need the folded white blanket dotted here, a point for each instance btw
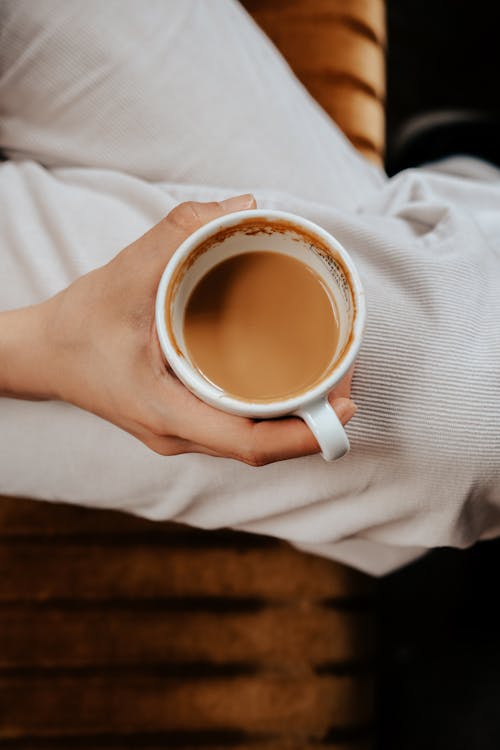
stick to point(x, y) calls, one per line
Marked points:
point(109, 118)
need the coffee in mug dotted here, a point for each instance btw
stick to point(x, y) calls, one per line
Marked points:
point(262, 326)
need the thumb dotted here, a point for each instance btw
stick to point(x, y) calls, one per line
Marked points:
point(185, 218)
point(236, 203)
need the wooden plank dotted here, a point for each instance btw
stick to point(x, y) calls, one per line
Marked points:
point(288, 637)
point(355, 111)
point(369, 15)
point(337, 50)
point(356, 57)
point(54, 704)
point(22, 518)
point(37, 571)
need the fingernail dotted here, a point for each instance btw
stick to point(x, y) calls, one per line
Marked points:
point(345, 409)
point(238, 202)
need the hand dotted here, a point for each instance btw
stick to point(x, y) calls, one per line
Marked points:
point(97, 349)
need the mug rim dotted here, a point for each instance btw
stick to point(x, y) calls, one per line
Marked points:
point(208, 392)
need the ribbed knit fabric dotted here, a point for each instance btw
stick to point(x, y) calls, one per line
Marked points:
point(108, 119)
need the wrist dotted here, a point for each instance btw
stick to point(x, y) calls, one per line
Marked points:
point(25, 354)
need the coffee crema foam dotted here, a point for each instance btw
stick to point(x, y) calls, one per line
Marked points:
point(262, 326)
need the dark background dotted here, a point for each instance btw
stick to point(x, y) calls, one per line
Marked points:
point(439, 670)
point(441, 54)
point(439, 619)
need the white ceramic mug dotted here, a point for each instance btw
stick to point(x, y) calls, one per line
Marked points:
point(279, 232)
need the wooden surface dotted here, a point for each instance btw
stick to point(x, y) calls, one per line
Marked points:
point(119, 633)
point(337, 49)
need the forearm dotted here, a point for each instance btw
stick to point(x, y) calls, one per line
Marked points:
point(25, 353)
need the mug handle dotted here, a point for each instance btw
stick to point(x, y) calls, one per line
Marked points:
point(326, 427)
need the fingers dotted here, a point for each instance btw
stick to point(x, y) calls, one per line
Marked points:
point(185, 218)
point(191, 215)
point(280, 439)
point(343, 388)
point(254, 442)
